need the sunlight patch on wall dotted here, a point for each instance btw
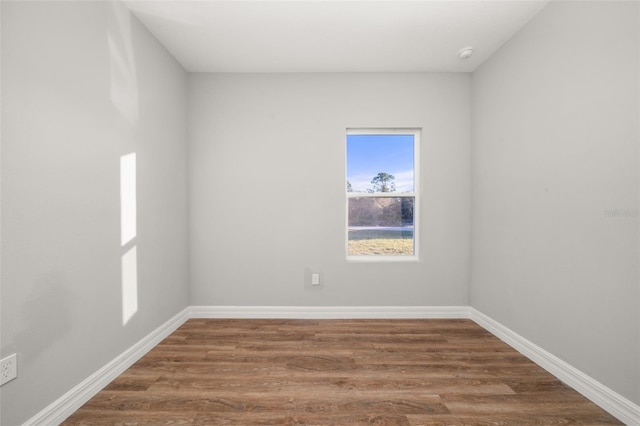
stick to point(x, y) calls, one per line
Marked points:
point(129, 284)
point(128, 225)
point(128, 200)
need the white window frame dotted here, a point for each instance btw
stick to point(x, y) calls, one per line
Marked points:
point(415, 194)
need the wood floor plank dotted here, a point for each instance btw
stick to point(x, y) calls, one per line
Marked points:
point(89, 417)
point(265, 419)
point(336, 372)
point(330, 385)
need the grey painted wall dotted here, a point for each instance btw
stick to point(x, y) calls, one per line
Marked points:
point(83, 84)
point(555, 187)
point(267, 178)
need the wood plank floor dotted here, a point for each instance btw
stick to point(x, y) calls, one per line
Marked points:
point(336, 372)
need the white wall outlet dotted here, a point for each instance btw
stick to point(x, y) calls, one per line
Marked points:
point(8, 369)
point(315, 279)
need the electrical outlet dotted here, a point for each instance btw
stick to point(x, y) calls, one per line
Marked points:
point(8, 369)
point(315, 279)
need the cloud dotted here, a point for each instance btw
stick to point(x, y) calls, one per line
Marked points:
point(360, 183)
point(404, 181)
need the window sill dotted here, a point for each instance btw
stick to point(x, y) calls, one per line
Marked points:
point(369, 259)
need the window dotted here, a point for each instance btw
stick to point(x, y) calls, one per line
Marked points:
point(382, 194)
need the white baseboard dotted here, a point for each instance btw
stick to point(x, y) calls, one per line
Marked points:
point(612, 402)
point(71, 401)
point(618, 406)
point(330, 312)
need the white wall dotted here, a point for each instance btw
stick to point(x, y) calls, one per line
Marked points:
point(555, 187)
point(83, 84)
point(267, 202)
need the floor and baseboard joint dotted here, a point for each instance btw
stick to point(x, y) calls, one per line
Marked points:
point(610, 401)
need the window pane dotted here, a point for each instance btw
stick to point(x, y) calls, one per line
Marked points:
point(381, 226)
point(380, 163)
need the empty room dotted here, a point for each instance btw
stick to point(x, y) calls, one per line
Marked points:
point(320, 212)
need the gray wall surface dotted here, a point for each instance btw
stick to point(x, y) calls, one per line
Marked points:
point(555, 187)
point(267, 181)
point(84, 83)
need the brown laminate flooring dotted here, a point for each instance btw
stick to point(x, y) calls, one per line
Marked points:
point(336, 372)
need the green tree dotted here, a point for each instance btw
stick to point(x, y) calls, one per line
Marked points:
point(383, 182)
point(407, 210)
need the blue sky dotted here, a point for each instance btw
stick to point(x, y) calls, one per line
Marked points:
point(367, 155)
